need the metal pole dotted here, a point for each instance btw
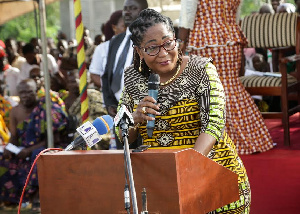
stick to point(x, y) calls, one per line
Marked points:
point(36, 20)
point(130, 175)
point(46, 73)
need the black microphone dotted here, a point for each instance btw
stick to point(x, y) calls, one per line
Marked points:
point(90, 133)
point(153, 86)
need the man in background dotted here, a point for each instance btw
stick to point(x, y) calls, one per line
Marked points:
point(120, 56)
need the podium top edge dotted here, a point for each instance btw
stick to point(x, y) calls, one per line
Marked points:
point(109, 152)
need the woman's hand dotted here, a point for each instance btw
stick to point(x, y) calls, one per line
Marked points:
point(24, 153)
point(146, 106)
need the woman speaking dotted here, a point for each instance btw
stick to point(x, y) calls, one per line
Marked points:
point(190, 107)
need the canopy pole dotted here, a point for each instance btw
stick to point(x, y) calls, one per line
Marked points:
point(42, 12)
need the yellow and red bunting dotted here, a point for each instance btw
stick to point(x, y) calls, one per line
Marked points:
point(81, 62)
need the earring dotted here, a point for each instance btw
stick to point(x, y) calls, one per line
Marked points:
point(140, 67)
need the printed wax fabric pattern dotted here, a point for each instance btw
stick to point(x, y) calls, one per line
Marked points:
point(194, 103)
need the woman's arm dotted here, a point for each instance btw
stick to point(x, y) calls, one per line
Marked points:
point(204, 143)
point(183, 36)
point(212, 100)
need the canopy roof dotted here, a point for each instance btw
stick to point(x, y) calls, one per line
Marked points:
point(10, 9)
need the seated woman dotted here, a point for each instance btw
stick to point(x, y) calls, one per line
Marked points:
point(190, 109)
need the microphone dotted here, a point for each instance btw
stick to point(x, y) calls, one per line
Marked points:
point(124, 119)
point(123, 113)
point(153, 86)
point(90, 133)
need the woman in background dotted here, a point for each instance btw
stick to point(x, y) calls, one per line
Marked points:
point(208, 28)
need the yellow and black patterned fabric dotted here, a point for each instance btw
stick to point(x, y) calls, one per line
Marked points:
point(269, 31)
point(193, 103)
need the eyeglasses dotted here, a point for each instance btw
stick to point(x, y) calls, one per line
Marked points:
point(155, 49)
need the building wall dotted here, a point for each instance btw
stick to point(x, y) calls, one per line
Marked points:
point(97, 12)
point(94, 14)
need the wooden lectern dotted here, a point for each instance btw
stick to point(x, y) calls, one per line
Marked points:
point(176, 181)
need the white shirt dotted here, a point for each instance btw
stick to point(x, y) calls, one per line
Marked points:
point(187, 13)
point(12, 79)
point(99, 59)
point(26, 67)
point(18, 62)
point(127, 63)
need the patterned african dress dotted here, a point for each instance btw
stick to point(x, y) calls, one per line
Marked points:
point(13, 172)
point(5, 108)
point(215, 34)
point(193, 103)
point(54, 96)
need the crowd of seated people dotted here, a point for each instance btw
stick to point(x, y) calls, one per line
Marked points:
point(23, 109)
point(22, 97)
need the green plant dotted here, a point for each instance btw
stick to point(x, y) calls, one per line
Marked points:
point(24, 27)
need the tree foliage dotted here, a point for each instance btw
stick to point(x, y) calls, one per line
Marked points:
point(24, 27)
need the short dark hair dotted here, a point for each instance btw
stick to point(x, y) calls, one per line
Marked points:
point(143, 3)
point(28, 48)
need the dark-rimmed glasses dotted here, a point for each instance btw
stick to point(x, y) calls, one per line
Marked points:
point(153, 50)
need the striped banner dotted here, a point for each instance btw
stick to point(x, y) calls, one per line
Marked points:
point(81, 62)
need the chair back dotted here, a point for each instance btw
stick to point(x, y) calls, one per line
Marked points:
point(270, 30)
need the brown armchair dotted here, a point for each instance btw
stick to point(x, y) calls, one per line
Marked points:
point(281, 32)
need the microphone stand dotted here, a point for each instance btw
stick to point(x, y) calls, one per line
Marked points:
point(124, 127)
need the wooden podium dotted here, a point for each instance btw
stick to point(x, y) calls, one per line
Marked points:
point(176, 181)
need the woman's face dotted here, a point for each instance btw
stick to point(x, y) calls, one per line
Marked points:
point(120, 27)
point(165, 60)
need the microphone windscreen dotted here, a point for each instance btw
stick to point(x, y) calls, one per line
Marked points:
point(103, 124)
point(153, 82)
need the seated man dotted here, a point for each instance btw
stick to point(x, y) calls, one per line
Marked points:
point(96, 108)
point(33, 58)
point(28, 130)
point(36, 74)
